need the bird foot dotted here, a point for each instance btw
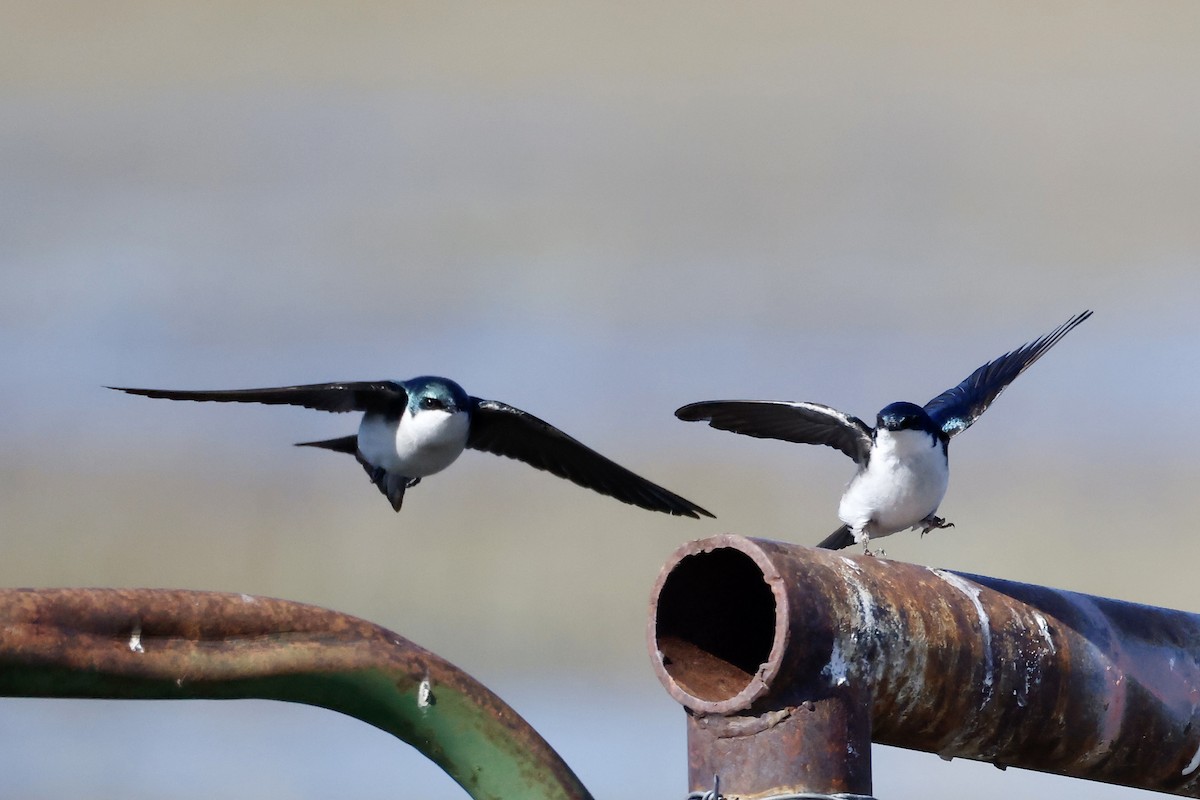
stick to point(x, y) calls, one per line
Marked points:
point(933, 523)
point(859, 536)
point(862, 538)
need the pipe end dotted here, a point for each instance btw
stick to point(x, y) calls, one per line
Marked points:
point(718, 624)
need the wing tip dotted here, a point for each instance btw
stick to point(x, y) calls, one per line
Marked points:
point(694, 412)
point(1042, 345)
point(686, 508)
point(649, 496)
point(151, 393)
point(342, 444)
point(1070, 324)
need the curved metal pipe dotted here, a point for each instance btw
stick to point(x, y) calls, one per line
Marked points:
point(746, 631)
point(163, 644)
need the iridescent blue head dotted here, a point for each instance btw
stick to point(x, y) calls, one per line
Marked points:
point(905, 417)
point(431, 393)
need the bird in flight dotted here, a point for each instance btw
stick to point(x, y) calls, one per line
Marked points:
point(902, 463)
point(414, 428)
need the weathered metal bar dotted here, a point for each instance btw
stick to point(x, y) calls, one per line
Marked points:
point(164, 644)
point(750, 634)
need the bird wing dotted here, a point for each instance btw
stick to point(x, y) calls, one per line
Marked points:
point(804, 423)
point(506, 431)
point(954, 410)
point(336, 397)
point(343, 444)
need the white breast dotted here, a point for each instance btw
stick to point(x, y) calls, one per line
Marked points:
point(903, 483)
point(413, 445)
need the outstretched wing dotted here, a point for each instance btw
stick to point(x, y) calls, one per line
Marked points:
point(506, 431)
point(804, 423)
point(336, 397)
point(954, 410)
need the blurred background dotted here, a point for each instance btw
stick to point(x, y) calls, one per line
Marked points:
point(596, 213)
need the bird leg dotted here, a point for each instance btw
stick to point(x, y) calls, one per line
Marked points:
point(863, 538)
point(932, 523)
point(376, 474)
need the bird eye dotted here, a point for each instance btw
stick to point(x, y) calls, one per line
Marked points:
point(431, 403)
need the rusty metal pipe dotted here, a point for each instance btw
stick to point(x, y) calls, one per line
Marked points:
point(166, 644)
point(752, 635)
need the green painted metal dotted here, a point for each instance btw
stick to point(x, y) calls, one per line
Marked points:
point(165, 644)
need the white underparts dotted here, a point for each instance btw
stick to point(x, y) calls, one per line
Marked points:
point(905, 480)
point(413, 445)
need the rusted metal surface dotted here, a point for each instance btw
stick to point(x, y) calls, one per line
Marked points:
point(791, 748)
point(958, 665)
point(184, 645)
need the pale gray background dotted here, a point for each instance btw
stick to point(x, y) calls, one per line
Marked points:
point(597, 213)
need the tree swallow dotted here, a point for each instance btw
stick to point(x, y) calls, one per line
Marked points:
point(902, 463)
point(414, 428)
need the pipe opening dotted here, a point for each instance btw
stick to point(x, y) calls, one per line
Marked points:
point(715, 624)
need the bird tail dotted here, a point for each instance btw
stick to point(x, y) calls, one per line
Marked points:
point(346, 444)
point(392, 486)
point(838, 539)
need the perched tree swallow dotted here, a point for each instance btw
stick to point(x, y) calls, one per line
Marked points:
point(414, 428)
point(902, 465)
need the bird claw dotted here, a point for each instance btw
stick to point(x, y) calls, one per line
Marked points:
point(862, 537)
point(931, 523)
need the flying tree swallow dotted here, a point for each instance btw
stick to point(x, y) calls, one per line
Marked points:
point(902, 462)
point(412, 429)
